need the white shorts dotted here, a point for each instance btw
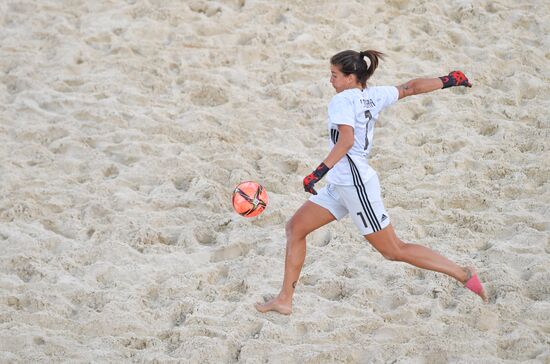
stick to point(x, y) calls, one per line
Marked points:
point(363, 202)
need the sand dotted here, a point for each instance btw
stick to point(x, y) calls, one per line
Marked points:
point(125, 125)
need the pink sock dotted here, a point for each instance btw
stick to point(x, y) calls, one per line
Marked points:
point(474, 285)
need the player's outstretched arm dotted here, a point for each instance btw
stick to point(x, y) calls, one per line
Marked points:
point(423, 85)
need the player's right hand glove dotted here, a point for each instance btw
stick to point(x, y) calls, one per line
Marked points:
point(455, 78)
point(311, 179)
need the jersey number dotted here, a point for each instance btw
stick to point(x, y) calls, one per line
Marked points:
point(363, 219)
point(368, 116)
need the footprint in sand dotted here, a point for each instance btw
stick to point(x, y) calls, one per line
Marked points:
point(332, 289)
point(205, 236)
point(136, 343)
point(218, 276)
point(537, 287)
point(25, 269)
point(234, 290)
point(181, 313)
point(209, 96)
point(203, 7)
point(230, 252)
point(111, 172)
point(488, 130)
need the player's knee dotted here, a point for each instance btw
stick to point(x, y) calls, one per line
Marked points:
point(294, 230)
point(393, 255)
point(291, 229)
point(396, 253)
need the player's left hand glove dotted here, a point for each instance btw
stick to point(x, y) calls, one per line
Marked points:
point(311, 179)
point(455, 78)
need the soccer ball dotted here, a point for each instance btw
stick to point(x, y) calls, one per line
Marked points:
point(249, 199)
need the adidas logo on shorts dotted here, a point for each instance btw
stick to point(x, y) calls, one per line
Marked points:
point(384, 217)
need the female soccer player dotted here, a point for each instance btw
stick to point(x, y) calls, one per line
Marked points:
point(352, 185)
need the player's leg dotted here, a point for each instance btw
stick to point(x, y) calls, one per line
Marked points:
point(320, 210)
point(393, 248)
point(364, 201)
point(308, 218)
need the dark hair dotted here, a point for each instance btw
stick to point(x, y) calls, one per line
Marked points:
point(352, 62)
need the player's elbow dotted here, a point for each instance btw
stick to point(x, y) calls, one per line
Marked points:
point(347, 143)
point(411, 88)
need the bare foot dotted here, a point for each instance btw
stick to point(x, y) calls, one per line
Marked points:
point(276, 304)
point(473, 284)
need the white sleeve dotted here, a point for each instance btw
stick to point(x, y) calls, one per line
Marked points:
point(385, 95)
point(341, 111)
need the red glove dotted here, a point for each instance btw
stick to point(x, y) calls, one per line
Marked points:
point(455, 78)
point(311, 179)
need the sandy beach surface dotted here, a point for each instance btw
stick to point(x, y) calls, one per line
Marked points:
point(125, 126)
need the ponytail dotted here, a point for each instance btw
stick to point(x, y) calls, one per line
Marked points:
point(373, 57)
point(352, 62)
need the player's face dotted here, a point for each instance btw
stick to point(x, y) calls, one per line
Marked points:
point(340, 81)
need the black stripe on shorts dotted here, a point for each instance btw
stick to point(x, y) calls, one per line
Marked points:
point(363, 198)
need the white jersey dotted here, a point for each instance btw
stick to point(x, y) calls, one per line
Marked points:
point(358, 109)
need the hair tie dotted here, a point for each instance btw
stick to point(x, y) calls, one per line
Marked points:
point(362, 54)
